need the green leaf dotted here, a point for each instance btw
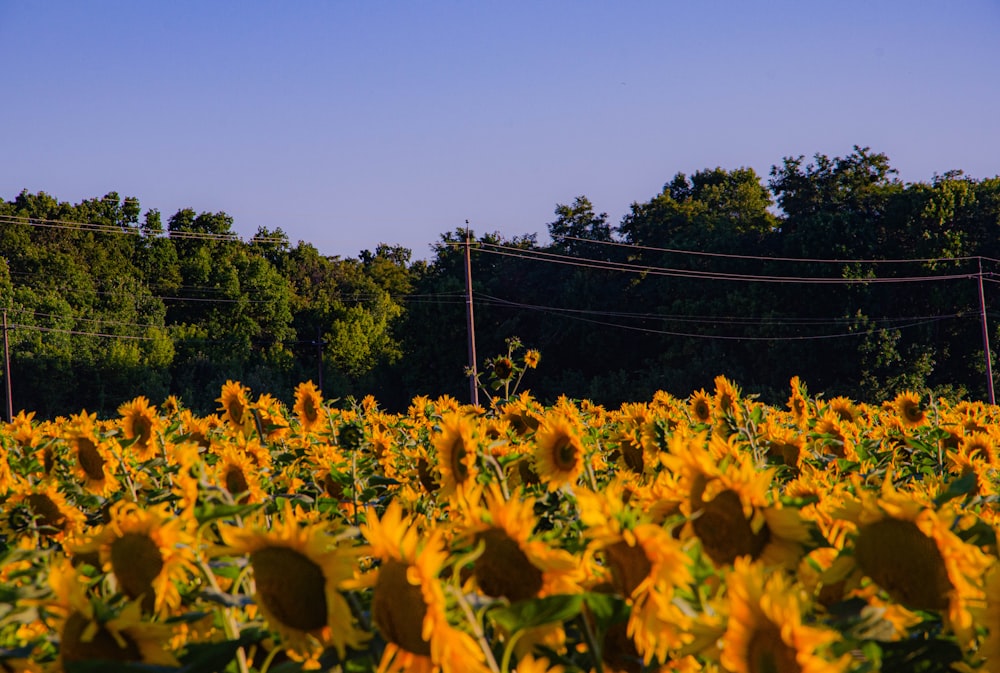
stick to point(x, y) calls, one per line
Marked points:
point(957, 488)
point(211, 512)
point(537, 611)
point(212, 657)
point(607, 609)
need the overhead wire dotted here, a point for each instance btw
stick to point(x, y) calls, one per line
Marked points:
point(491, 300)
point(585, 262)
point(134, 230)
point(765, 258)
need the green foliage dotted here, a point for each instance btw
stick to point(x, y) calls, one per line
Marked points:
point(110, 303)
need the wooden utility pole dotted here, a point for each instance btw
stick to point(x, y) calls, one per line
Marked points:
point(470, 321)
point(6, 370)
point(986, 336)
point(319, 358)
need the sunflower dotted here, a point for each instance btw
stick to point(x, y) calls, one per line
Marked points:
point(700, 407)
point(559, 453)
point(515, 563)
point(236, 472)
point(647, 566)
point(95, 463)
point(198, 429)
point(765, 633)
point(272, 418)
point(797, 403)
point(149, 551)
point(981, 445)
point(6, 476)
point(911, 550)
point(532, 358)
point(23, 430)
point(309, 406)
point(524, 414)
point(727, 398)
point(636, 437)
point(140, 423)
point(728, 504)
point(908, 409)
point(832, 436)
point(89, 634)
point(989, 615)
point(845, 409)
point(235, 405)
point(456, 453)
point(40, 510)
point(408, 602)
point(784, 444)
point(299, 572)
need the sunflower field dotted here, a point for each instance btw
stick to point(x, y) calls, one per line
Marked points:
point(712, 533)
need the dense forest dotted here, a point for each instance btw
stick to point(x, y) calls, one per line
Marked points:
point(831, 269)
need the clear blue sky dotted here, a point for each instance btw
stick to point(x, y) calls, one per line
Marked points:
point(350, 123)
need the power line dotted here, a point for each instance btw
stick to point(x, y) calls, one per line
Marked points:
point(648, 330)
point(584, 262)
point(133, 230)
point(79, 333)
point(714, 319)
point(805, 260)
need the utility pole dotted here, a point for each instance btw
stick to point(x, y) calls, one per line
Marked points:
point(319, 357)
point(986, 336)
point(470, 321)
point(6, 370)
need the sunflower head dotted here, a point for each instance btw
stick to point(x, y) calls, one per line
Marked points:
point(559, 452)
point(150, 552)
point(299, 571)
point(765, 632)
point(700, 407)
point(308, 406)
point(87, 634)
point(234, 405)
point(456, 452)
point(139, 423)
point(797, 403)
point(909, 409)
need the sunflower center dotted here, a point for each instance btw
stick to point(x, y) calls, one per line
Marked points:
point(458, 466)
point(768, 653)
point(629, 565)
point(235, 409)
point(333, 488)
point(904, 562)
point(702, 411)
point(291, 587)
point(103, 645)
point(90, 458)
point(633, 456)
point(143, 430)
point(47, 513)
point(503, 569)
point(236, 481)
point(136, 561)
point(399, 608)
point(788, 452)
point(309, 409)
point(524, 471)
point(725, 532)
point(424, 475)
point(564, 454)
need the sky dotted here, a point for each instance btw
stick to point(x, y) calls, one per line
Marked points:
point(353, 123)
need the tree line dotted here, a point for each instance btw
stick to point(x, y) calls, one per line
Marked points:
point(831, 269)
